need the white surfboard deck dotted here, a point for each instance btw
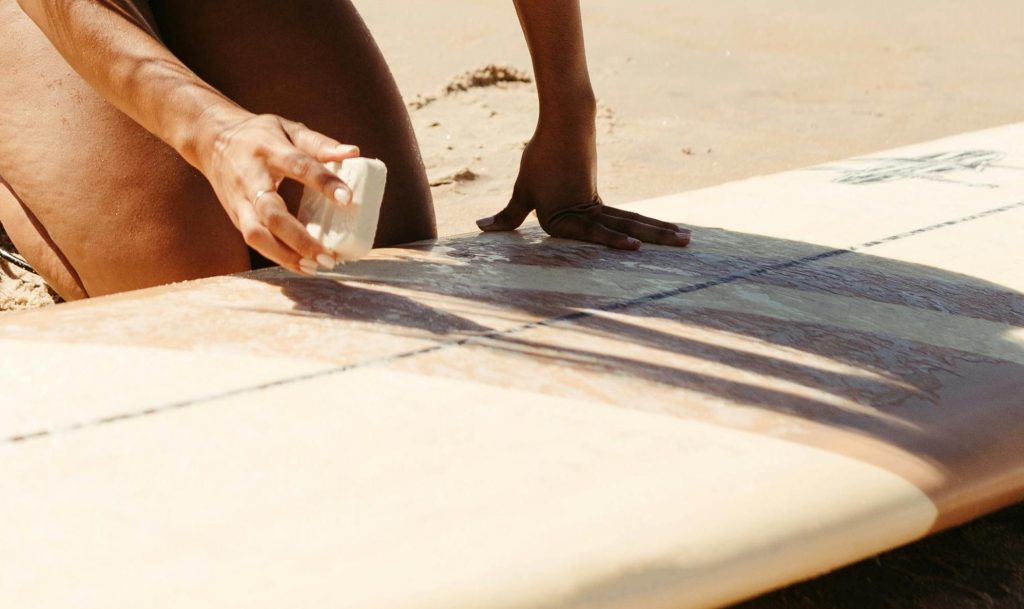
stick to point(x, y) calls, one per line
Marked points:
point(835, 367)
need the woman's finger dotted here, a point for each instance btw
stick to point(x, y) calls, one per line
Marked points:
point(274, 215)
point(586, 228)
point(509, 218)
point(258, 237)
point(318, 145)
point(303, 168)
point(648, 233)
point(630, 215)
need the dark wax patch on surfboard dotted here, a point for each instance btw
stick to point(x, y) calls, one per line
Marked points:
point(571, 316)
point(881, 281)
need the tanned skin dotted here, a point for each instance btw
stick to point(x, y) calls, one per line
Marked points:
point(136, 136)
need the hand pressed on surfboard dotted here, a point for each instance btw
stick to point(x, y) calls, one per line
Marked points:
point(557, 179)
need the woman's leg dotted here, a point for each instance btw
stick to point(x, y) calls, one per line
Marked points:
point(312, 61)
point(99, 205)
point(91, 199)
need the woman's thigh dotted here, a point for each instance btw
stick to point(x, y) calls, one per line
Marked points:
point(316, 62)
point(100, 205)
point(94, 201)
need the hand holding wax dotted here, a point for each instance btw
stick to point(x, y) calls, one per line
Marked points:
point(347, 231)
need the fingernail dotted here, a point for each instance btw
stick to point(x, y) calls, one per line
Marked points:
point(326, 261)
point(346, 149)
point(684, 237)
point(634, 243)
point(485, 222)
point(307, 266)
point(343, 196)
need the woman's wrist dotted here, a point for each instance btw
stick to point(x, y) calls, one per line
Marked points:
point(569, 116)
point(567, 103)
point(194, 134)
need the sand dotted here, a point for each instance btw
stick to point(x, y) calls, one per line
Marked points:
point(20, 289)
point(698, 93)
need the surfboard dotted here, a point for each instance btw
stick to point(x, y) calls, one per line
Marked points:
point(833, 368)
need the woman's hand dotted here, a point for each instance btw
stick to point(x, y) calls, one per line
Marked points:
point(246, 156)
point(558, 174)
point(558, 179)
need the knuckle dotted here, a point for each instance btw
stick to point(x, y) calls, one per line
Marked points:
point(253, 235)
point(309, 247)
point(563, 226)
point(298, 164)
point(275, 220)
point(262, 149)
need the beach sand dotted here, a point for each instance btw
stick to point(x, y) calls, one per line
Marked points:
point(698, 93)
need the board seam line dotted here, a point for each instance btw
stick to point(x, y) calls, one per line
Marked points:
point(568, 317)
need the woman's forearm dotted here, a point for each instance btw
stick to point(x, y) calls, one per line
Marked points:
point(554, 34)
point(244, 156)
point(113, 48)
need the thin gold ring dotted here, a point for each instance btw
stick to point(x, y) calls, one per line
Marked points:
point(259, 194)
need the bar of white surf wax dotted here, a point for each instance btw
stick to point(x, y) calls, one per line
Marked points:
point(348, 230)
